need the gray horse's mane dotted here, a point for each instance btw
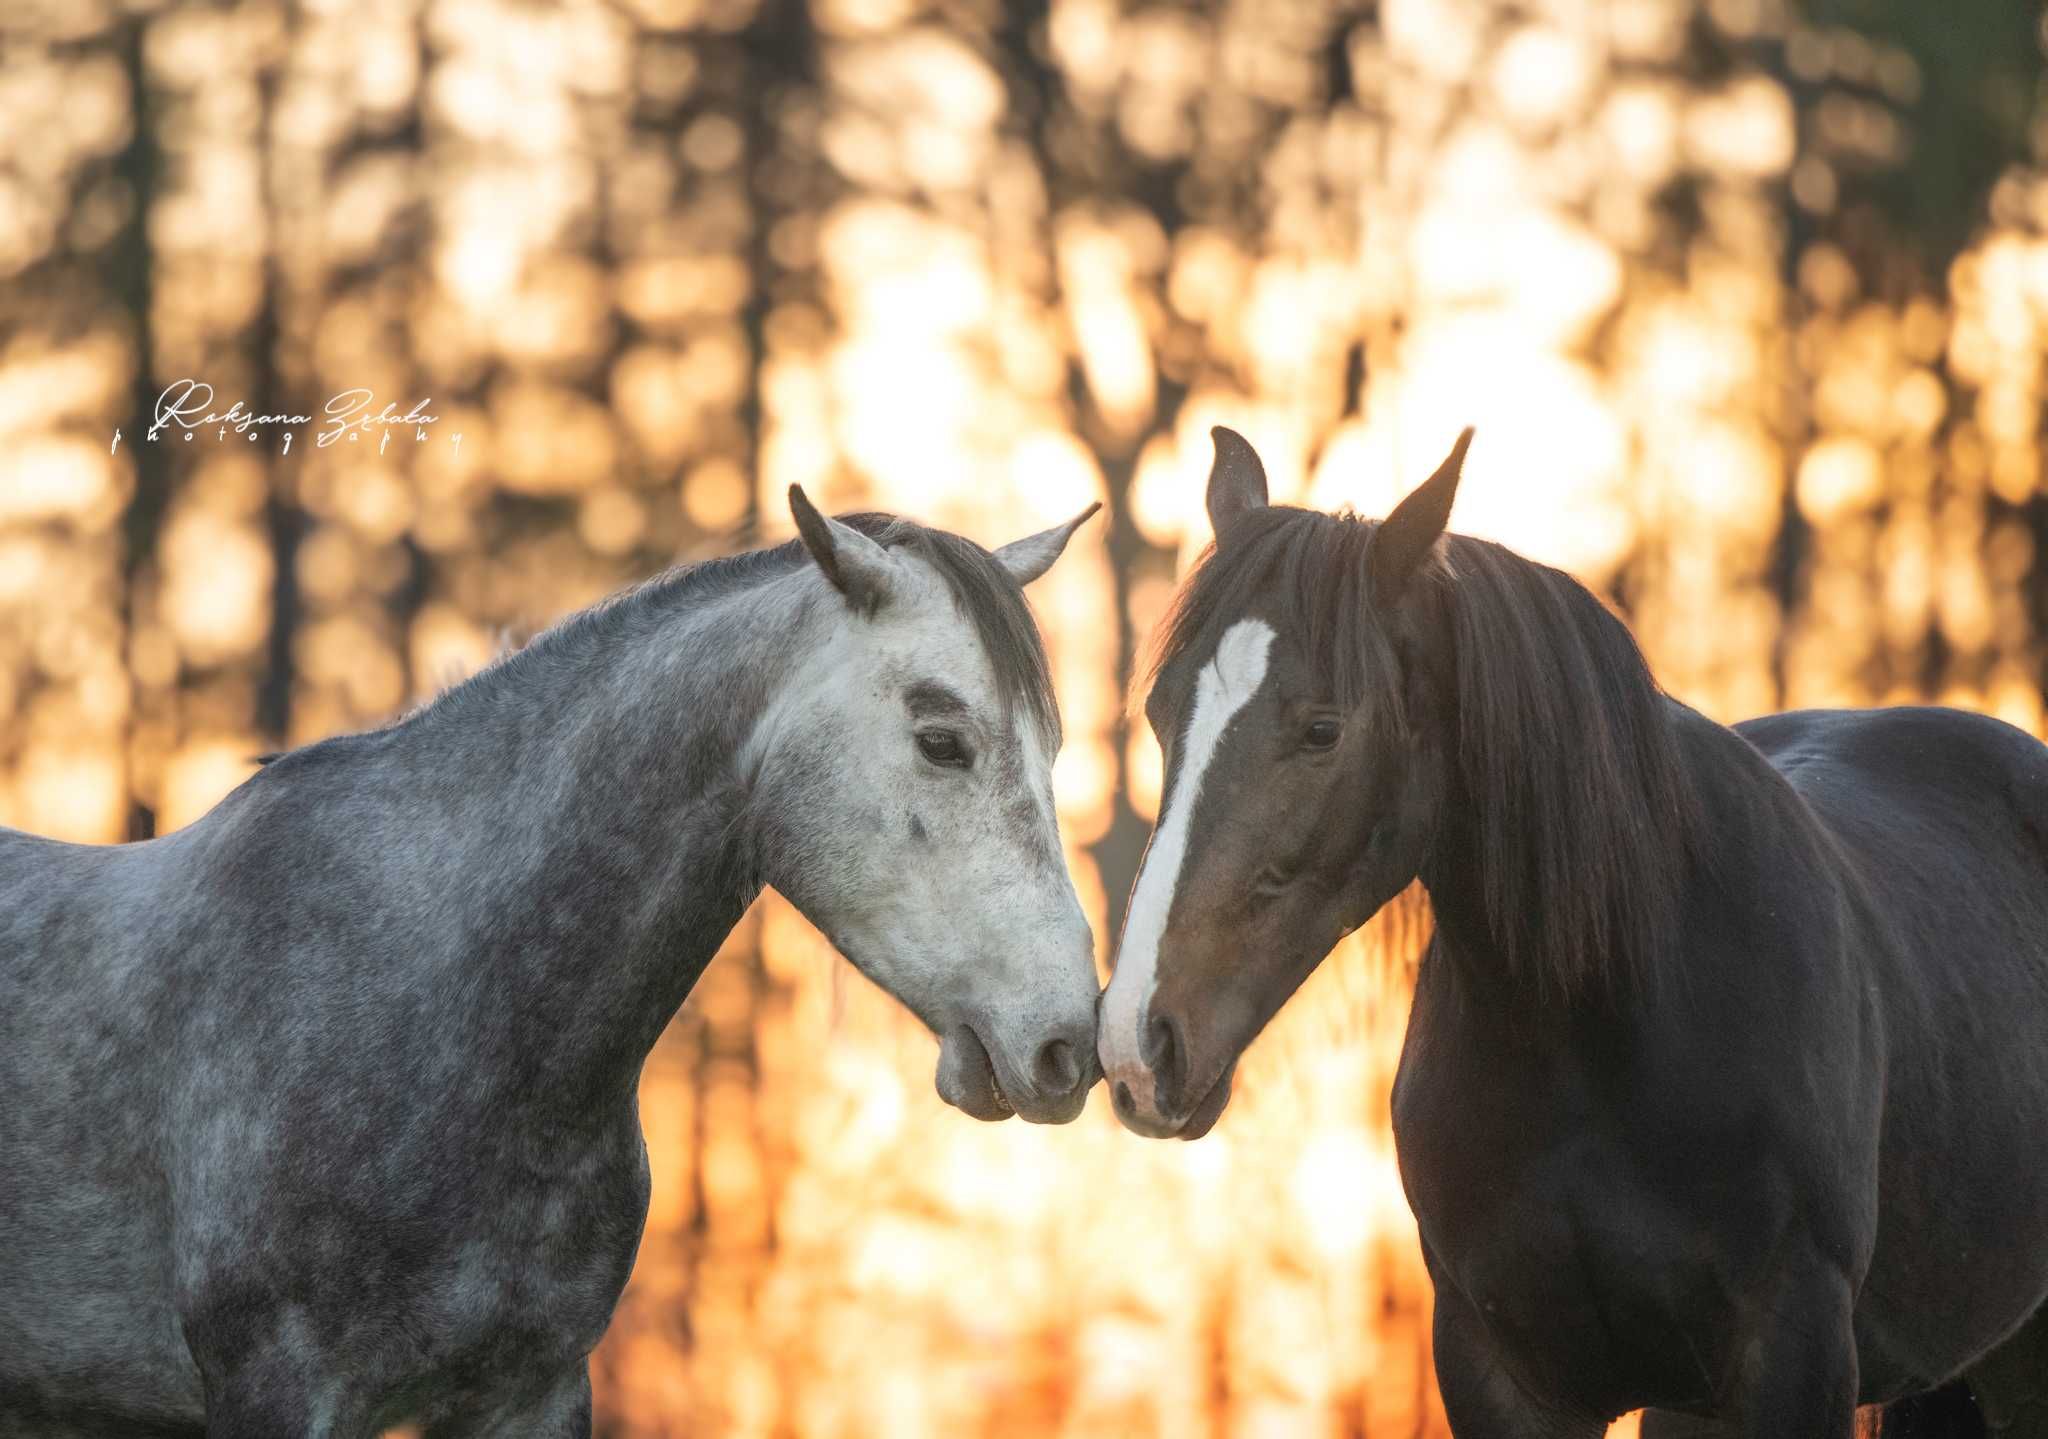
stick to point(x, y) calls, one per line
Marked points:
point(986, 594)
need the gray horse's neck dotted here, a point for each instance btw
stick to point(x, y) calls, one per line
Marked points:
point(548, 856)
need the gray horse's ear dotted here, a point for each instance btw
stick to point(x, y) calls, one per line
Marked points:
point(1407, 535)
point(1237, 482)
point(1032, 556)
point(858, 568)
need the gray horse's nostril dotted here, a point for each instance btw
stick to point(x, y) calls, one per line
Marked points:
point(1056, 1069)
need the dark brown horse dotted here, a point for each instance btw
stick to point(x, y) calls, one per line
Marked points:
point(1725, 1089)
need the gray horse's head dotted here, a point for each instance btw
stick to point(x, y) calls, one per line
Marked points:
point(903, 795)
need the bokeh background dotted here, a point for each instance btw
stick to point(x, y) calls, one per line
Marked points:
point(1747, 298)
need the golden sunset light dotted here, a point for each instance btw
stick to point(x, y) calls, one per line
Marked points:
point(629, 269)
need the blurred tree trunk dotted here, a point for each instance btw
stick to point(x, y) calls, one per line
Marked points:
point(283, 521)
point(133, 276)
point(1088, 166)
point(1962, 91)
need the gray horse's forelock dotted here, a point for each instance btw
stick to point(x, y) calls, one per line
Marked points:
point(994, 604)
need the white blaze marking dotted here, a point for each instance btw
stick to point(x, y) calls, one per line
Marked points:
point(1226, 685)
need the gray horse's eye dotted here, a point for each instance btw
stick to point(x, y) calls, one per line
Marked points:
point(943, 747)
point(1320, 735)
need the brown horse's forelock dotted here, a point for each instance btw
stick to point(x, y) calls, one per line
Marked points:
point(1306, 573)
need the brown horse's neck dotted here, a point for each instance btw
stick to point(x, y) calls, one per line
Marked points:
point(1600, 973)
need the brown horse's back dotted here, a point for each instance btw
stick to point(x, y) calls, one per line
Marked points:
point(1941, 818)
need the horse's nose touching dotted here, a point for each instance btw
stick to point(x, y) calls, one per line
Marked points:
point(1064, 1065)
point(1045, 1068)
point(1060, 1063)
point(1041, 1042)
point(1055, 1070)
point(1169, 1074)
point(1145, 1079)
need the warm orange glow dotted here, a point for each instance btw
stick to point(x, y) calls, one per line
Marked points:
point(649, 289)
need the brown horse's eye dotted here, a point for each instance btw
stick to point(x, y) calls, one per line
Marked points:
point(1320, 735)
point(942, 747)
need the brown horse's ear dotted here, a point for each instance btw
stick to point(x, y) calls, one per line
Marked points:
point(858, 568)
point(1237, 482)
point(1407, 535)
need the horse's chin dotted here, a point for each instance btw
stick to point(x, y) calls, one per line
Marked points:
point(967, 1078)
point(1204, 1116)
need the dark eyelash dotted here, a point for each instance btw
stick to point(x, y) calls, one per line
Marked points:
point(944, 748)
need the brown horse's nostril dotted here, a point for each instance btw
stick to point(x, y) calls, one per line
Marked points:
point(1166, 1055)
point(1056, 1069)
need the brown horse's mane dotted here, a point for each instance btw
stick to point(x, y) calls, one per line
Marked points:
point(1567, 770)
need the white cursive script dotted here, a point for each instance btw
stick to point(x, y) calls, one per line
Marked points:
point(187, 406)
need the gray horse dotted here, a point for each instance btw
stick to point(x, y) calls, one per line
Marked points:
point(318, 1116)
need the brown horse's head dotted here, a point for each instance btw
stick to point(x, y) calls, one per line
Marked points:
point(1292, 698)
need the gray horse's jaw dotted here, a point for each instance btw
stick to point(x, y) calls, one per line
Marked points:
point(967, 1077)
